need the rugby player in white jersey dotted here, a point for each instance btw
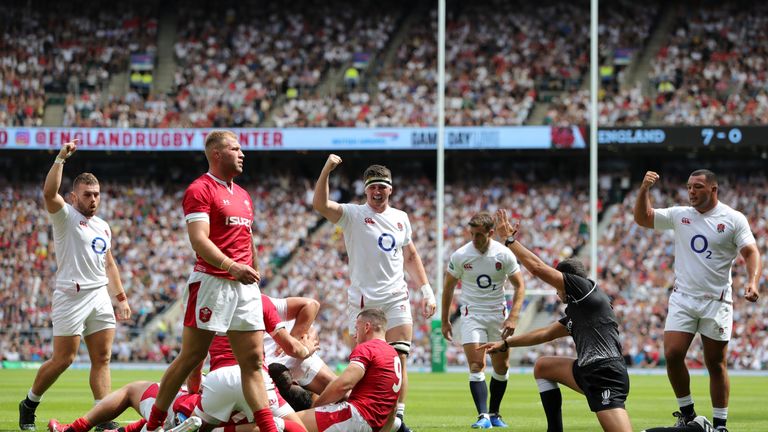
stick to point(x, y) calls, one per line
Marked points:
point(379, 246)
point(87, 281)
point(482, 266)
point(708, 237)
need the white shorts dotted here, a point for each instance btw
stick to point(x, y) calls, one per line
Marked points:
point(222, 396)
point(148, 400)
point(398, 313)
point(340, 417)
point(711, 318)
point(302, 371)
point(217, 304)
point(82, 313)
point(481, 325)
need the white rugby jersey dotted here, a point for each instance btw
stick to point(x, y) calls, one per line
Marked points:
point(482, 275)
point(374, 244)
point(81, 245)
point(705, 247)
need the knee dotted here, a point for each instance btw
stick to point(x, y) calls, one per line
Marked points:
point(716, 366)
point(674, 354)
point(100, 358)
point(62, 362)
point(253, 360)
point(475, 367)
point(540, 369)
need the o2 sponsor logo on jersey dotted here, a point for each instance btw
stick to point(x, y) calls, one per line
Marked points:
point(238, 221)
point(387, 242)
point(484, 281)
point(700, 245)
point(99, 245)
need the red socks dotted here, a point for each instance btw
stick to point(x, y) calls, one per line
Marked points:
point(292, 426)
point(156, 418)
point(80, 425)
point(264, 420)
point(135, 426)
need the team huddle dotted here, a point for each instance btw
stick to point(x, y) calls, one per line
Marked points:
point(264, 369)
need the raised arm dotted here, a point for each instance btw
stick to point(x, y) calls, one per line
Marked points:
point(643, 208)
point(53, 201)
point(528, 259)
point(330, 210)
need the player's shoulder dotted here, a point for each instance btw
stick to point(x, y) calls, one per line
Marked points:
point(467, 249)
point(729, 211)
point(498, 249)
point(201, 183)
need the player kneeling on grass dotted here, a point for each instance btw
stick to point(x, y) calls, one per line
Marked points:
point(139, 395)
point(599, 371)
point(374, 377)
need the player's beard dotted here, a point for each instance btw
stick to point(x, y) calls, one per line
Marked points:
point(85, 209)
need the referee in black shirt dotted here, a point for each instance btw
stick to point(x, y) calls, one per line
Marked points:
point(599, 372)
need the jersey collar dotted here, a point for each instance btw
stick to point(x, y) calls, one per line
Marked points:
point(229, 187)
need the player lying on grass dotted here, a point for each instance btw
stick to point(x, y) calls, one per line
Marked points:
point(599, 371)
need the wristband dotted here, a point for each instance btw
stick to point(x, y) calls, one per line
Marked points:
point(121, 297)
point(426, 293)
point(230, 266)
point(59, 160)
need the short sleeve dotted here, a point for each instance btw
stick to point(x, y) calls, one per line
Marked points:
point(361, 355)
point(272, 320)
point(663, 219)
point(455, 268)
point(512, 265)
point(59, 219)
point(743, 234)
point(564, 321)
point(408, 231)
point(282, 307)
point(347, 215)
point(196, 204)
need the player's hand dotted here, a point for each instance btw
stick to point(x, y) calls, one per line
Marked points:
point(447, 329)
point(332, 162)
point(244, 274)
point(123, 311)
point(428, 308)
point(312, 344)
point(68, 148)
point(650, 179)
point(493, 347)
point(504, 228)
point(507, 329)
point(751, 293)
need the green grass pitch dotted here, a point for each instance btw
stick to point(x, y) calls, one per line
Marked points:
point(437, 402)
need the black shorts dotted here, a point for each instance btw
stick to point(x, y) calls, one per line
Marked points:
point(605, 383)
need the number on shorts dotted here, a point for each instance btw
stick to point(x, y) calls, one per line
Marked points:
point(399, 374)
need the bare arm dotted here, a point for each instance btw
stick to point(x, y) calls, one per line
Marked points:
point(415, 268)
point(643, 209)
point(330, 210)
point(338, 388)
point(448, 288)
point(304, 311)
point(752, 257)
point(53, 201)
point(115, 288)
point(296, 348)
point(528, 259)
point(198, 232)
point(536, 337)
point(510, 324)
